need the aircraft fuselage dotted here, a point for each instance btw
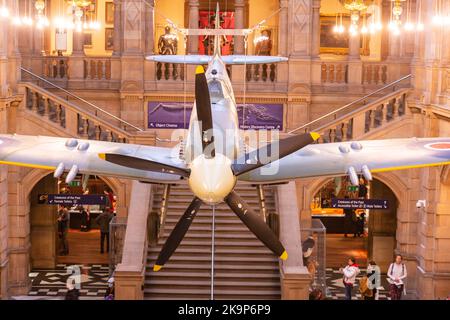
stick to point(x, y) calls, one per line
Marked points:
point(212, 179)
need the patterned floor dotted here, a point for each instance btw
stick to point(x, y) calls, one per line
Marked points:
point(336, 287)
point(52, 283)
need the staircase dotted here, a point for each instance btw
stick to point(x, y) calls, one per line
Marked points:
point(244, 267)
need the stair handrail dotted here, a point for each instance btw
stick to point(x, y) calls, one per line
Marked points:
point(334, 112)
point(76, 108)
point(97, 108)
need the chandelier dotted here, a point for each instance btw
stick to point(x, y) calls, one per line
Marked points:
point(4, 11)
point(41, 19)
point(356, 7)
point(80, 9)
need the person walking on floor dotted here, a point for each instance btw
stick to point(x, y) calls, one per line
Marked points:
point(103, 221)
point(63, 221)
point(369, 283)
point(350, 272)
point(396, 273)
point(72, 292)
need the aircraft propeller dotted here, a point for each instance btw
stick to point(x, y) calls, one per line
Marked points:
point(239, 167)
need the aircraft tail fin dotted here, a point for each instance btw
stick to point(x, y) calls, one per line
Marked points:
point(217, 43)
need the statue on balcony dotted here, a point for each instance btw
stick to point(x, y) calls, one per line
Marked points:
point(263, 44)
point(167, 45)
point(168, 42)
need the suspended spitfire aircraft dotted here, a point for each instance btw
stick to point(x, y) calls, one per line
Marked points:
point(210, 172)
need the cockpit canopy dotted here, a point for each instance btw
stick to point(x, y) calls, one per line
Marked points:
point(216, 90)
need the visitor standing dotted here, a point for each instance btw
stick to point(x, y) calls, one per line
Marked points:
point(63, 221)
point(72, 292)
point(369, 283)
point(103, 221)
point(396, 273)
point(350, 272)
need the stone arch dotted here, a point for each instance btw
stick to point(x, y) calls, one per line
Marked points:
point(30, 179)
point(385, 242)
point(445, 174)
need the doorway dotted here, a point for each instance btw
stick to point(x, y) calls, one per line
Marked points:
point(361, 233)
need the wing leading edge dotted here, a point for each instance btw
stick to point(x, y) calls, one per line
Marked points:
point(330, 159)
point(333, 159)
point(49, 152)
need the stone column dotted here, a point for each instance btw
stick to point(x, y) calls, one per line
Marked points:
point(283, 28)
point(149, 27)
point(239, 6)
point(117, 27)
point(295, 278)
point(193, 24)
point(353, 47)
point(315, 39)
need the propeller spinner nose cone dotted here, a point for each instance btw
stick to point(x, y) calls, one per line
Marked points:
point(211, 179)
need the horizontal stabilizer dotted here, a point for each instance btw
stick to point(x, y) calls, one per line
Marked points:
point(203, 59)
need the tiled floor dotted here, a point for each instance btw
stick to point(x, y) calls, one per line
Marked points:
point(336, 287)
point(52, 283)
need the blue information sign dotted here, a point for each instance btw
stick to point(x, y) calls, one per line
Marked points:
point(72, 199)
point(360, 203)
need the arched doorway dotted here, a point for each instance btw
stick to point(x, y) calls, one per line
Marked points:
point(83, 242)
point(50, 266)
point(363, 234)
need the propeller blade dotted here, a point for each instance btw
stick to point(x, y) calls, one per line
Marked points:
point(285, 147)
point(255, 224)
point(203, 107)
point(177, 234)
point(143, 164)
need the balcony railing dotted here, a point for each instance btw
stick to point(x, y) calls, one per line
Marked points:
point(334, 72)
point(374, 73)
point(339, 125)
point(97, 68)
point(261, 73)
point(56, 67)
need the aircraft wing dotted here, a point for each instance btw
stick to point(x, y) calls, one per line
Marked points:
point(333, 159)
point(203, 59)
point(48, 152)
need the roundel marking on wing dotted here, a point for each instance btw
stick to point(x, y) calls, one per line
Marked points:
point(438, 146)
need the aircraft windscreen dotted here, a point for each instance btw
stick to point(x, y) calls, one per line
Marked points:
point(215, 90)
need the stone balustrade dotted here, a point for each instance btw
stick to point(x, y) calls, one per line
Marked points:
point(357, 119)
point(374, 73)
point(334, 72)
point(169, 71)
point(55, 67)
point(261, 72)
point(97, 68)
point(78, 122)
point(350, 124)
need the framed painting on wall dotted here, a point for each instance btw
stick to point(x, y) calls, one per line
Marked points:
point(109, 13)
point(338, 43)
point(330, 41)
point(109, 38)
point(87, 40)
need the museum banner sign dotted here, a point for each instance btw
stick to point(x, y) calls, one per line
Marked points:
point(176, 115)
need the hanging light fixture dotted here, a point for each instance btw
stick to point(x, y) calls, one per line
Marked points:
point(4, 11)
point(355, 7)
point(339, 26)
point(41, 19)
